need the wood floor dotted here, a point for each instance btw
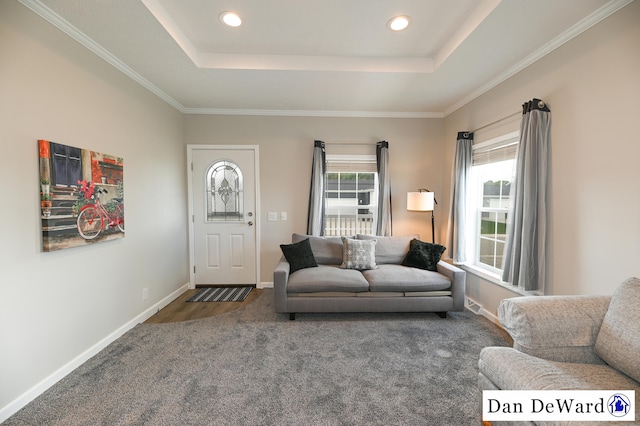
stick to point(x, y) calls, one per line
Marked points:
point(181, 310)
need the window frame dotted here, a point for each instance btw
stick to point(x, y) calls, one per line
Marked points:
point(476, 208)
point(356, 164)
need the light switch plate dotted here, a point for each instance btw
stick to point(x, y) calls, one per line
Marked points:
point(283, 215)
point(272, 216)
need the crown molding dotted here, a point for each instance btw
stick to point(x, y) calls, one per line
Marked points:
point(64, 26)
point(604, 12)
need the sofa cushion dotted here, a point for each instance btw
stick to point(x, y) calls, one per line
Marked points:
point(326, 250)
point(390, 249)
point(358, 254)
point(326, 278)
point(299, 255)
point(401, 278)
point(423, 255)
point(510, 369)
point(618, 342)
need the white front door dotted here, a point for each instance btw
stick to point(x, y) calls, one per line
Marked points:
point(223, 185)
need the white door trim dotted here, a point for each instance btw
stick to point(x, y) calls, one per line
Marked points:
point(190, 149)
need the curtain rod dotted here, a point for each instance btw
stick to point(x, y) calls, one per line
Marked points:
point(497, 121)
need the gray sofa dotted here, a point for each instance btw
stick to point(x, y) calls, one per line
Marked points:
point(388, 287)
point(568, 343)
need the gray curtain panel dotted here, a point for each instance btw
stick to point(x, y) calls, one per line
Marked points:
point(315, 218)
point(383, 227)
point(524, 256)
point(456, 228)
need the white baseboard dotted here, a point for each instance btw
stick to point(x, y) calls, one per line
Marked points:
point(265, 285)
point(18, 403)
point(478, 309)
point(161, 304)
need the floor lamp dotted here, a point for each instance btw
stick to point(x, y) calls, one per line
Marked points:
point(423, 201)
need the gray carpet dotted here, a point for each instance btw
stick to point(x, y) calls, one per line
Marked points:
point(254, 367)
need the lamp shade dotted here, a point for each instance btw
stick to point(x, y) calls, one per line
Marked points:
point(420, 201)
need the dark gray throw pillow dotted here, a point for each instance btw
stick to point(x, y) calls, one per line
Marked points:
point(423, 255)
point(299, 255)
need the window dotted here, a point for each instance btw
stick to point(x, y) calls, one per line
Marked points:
point(224, 192)
point(66, 165)
point(351, 195)
point(489, 197)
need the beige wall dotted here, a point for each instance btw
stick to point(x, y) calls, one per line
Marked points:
point(55, 306)
point(592, 85)
point(286, 151)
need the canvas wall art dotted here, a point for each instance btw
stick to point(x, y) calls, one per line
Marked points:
point(81, 196)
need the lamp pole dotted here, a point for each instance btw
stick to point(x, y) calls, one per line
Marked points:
point(433, 228)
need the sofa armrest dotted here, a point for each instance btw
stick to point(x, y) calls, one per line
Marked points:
point(458, 279)
point(280, 280)
point(557, 328)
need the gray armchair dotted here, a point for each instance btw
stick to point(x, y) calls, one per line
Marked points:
point(568, 343)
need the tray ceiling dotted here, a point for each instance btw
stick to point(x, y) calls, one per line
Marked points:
point(322, 58)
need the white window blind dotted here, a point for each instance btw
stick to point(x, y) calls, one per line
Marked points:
point(494, 153)
point(351, 164)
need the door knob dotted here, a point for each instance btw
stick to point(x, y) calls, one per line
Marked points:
point(250, 223)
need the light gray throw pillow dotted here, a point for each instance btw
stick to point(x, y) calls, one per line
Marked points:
point(358, 254)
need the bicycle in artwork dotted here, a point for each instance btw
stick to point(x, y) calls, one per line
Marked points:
point(95, 217)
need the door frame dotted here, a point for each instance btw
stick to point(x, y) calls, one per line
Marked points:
point(191, 216)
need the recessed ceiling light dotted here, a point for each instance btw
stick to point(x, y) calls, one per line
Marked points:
point(399, 23)
point(231, 19)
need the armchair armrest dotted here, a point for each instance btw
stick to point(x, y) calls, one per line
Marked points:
point(280, 280)
point(458, 279)
point(557, 328)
